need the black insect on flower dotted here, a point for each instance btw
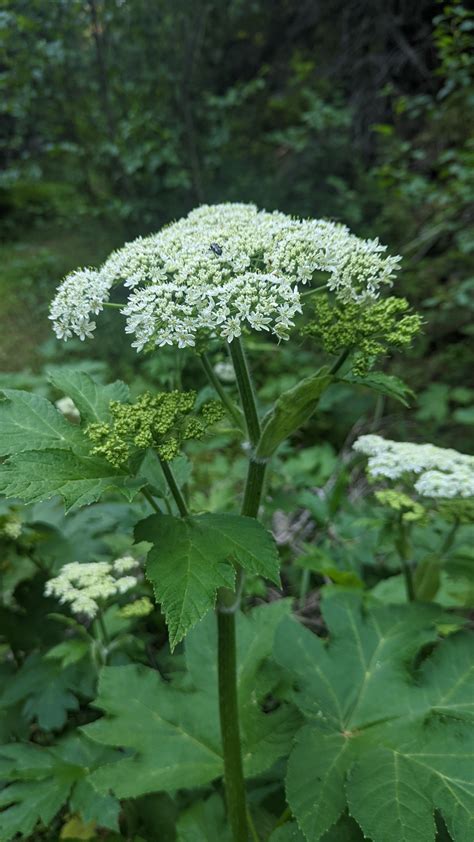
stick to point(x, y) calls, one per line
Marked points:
point(216, 248)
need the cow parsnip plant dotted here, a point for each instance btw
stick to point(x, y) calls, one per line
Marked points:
point(376, 731)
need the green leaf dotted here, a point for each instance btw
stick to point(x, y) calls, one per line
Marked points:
point(91, 398)
point(39, 781)
point(388, 739)
point(191, 558)
point(384, 384)
point(171, 729)
point(346, 830)
point(45, 689)
point(204, 822)
point(30, 422)
point(80, 480)
point(287, 833)
point(291, 410)
point(174, 741)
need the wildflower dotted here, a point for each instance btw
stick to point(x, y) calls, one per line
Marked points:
point(85, 586)
point(442, 472)
point(219, 270)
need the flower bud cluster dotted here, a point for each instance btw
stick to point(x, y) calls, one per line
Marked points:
point(219, 270)
point(85, 586)
point(370, 329)
point(442, 472)
point(163, 420)
point(409, 509)
point(139, 608)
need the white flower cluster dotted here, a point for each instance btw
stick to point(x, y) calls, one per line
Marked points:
point(219, 269)
point(442, 472)
point(84, 586)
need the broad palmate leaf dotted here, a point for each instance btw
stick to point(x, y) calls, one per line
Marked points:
point(171, 730)
point(391, 741)
point(192, 557)
point(39, 781)
point(91, 398)
point(34, 476)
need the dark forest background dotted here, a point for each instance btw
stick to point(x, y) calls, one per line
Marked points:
point(121, 115)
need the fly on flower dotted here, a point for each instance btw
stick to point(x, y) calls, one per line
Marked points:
point(216, 248)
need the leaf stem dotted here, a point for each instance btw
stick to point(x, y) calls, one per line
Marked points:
point(149, 497)
point(340, 361)
point(232, 410)
point(174, 488)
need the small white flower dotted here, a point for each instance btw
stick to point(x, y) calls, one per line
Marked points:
point(86, 586)
point(443, 472)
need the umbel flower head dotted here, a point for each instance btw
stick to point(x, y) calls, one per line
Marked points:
point(85, 586)
point(218, 270)
point(442, 472)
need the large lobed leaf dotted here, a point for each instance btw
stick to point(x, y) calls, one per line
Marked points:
point(392, 742)
point(38, 781)
point(192, 557)
point(171, 731)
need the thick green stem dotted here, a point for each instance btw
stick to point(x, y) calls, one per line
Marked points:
point(228, 696)
point(246, 391)
point(174, 488)
point(229, 717)
point(232, 410)
point(253, 487)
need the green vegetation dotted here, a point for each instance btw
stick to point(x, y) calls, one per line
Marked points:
point(236, 586)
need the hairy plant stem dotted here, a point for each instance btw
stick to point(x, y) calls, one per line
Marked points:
point(231, 409)
point(237, 811)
